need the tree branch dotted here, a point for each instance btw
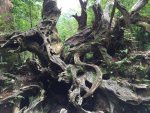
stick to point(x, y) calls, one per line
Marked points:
point(106, 10)
point(98, 15)
point(124, 12)
point(82, 19)
point(138, 6)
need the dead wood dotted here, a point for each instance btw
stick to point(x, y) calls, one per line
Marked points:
point(63, 79)
point(82, 19)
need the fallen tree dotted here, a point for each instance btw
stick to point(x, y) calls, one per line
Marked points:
point(63, 79)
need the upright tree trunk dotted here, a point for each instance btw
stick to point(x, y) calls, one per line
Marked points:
point(5, 6)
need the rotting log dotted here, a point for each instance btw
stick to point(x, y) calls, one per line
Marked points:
point(62, 79)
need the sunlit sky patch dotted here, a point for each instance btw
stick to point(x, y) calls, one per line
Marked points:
point(68, 6)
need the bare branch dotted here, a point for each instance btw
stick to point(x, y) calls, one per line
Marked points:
point(82, 19)
point(138, 5)
point(106, 10)
point(138, 17)
point(112, 15)
point(124, 12)
point(98, 15)
point(145, 25)
point(142, 21)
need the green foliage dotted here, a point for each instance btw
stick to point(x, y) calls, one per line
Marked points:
point(142, 37)
point(145, 11)
point(90, 17)
point(26, 13)
point(89, 55)
point(137, 33)
point(128, 3)
point(130, 67)
point(67, 26)
point(6, 25)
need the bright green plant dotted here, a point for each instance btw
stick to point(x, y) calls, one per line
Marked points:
point(67, 26)
point(26, 13)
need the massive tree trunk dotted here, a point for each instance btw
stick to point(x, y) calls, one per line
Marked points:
point(63, 79)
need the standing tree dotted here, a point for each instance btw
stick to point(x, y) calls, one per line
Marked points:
point(5, 15)
point(83, 74)
point(5, 6)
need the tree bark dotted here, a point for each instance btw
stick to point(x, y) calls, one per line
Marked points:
point(66, 79)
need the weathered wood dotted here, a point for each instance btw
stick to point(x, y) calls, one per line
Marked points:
point(82, 19)
point(138, 6)
point(69, 80)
